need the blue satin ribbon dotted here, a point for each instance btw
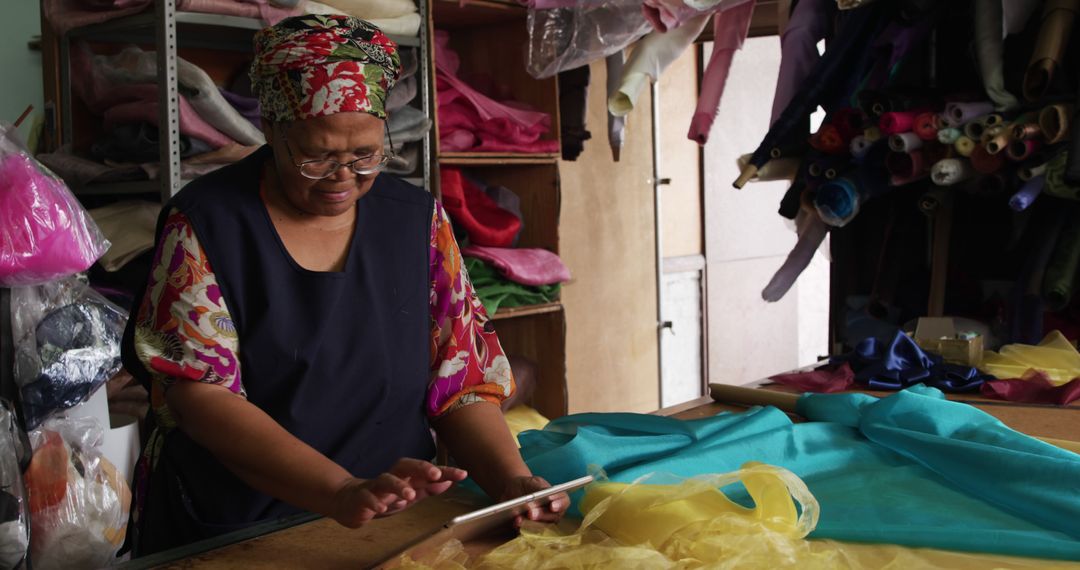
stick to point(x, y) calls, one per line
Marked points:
point(900, 363)
point(1027, 193)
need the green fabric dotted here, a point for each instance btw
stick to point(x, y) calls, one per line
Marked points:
point(912, 469)
point(1060, 278)
point(496, 291)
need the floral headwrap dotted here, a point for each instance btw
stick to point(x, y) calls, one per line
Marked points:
point(317, 65)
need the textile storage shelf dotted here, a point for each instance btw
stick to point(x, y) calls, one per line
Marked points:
point(218, 44)
point(490, 41)
point(540, 337)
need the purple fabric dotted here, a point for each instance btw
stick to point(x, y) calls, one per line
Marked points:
point(730, 28)
point(248, 107)
point(527, 266)
point(798, 49)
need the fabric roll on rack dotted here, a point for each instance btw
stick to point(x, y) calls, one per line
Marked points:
point(964, 145)
point(811, 231)
point(926, 126)
point(1054, 122)
point(1058, 18)
point(731, 25)
point(1021, 150)
point(1027, 194)
point(949, 135)
point(985, 162)
point(989, 51)
point(957, 114)
point(950, 171)
point(1059, 282)
point(905, 142)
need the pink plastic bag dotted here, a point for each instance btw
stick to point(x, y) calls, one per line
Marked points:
point(45, 233)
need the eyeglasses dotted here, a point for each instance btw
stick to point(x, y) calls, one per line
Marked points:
point(319, 169)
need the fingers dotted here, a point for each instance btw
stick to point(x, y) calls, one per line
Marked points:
point(409, 468)
point(389, 487)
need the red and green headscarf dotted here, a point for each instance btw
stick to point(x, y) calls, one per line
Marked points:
point(316, 65)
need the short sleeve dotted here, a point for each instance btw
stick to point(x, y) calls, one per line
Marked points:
point(183, 329)
point(467, 362)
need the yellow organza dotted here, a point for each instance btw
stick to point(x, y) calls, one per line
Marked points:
point(1055, 356)
point(522, 418)
point(692, 524)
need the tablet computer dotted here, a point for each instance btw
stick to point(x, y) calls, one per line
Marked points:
point(480, 522)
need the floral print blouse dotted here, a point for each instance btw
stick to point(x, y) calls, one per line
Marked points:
point(184, 332)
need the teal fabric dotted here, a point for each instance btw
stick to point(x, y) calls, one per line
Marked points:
point(911, 469)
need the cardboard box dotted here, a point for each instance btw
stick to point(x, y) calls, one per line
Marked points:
point(939, 336)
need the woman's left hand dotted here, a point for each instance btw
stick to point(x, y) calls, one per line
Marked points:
point(549, 509)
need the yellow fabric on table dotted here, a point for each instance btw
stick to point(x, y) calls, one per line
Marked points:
point(1055, 356)
point(692, 524)
point(523, 418)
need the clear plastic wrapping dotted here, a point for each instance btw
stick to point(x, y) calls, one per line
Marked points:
point(566, 38)
point(67, 344)
point(78, 501)
point(14, 513)
point(45, 234)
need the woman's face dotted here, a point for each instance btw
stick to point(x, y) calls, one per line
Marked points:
point(343, 137)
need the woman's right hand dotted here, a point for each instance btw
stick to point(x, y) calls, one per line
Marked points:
point(408, 481)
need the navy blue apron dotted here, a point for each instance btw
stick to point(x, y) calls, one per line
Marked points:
point(339, 359)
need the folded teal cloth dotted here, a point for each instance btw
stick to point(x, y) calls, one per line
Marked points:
point(912, 469)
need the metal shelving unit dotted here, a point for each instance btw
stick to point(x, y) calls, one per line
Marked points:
point(168, 29)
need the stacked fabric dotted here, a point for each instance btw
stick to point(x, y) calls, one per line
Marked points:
point(472, 121)
point(66, 15)
point(394, 17)
point(491, 221)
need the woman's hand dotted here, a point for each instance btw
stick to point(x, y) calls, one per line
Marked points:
point(549, 509)
point(408, 481)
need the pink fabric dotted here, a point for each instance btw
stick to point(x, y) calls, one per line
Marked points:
point(139, 103)
point(45, 233)
point(471, 121)
point(66, 15)
point(1034, 388)
point(827, 379)
point(730, 28)
point(527, 266)
point(667, 15)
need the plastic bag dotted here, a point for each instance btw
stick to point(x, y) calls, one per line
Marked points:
point(567, 38)
point(45, 234)
point(14, 514)
point(78, 502)
point(67, 344)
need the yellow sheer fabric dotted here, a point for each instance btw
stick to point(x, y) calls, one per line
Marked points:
point(692, 524)
point(1055, 356)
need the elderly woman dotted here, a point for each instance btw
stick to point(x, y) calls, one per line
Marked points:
point(308, 321)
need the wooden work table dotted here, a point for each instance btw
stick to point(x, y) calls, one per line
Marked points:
point(309, 542)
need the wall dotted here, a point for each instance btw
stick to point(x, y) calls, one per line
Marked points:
point(747, 241)
point(680, 159)
point(607, 242)
point(22, 67)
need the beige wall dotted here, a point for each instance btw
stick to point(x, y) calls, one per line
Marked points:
point(606, 239)
point(680, 160)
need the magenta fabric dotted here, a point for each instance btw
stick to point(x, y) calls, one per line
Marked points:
point(45, 234)
point(730, 28)
point(827, 379)
point(471, 121)
point(261, 9)
point(139, 103)
point(66, 15)
point(1034, 388)
point(527, 266)
point(798, 49)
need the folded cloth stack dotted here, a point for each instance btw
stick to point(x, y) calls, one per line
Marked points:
point(66, 15)
point(496, 291)
point(470, 121)
point(394, 17)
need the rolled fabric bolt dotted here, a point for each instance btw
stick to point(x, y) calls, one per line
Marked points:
point(776, 169)
point(1024, 131)
point(993, 119)
point(815, 169)
point(828, 140)
point(1059, 280)
point(905, 142)
point(895, 122)
point(984, 162)
point(992, 132)
point(1056, 185)
point(957, 114)
point(806, 201)
point(1054, 122)
point(929, 202)
point(926, 126)
point(964, 146)
point(1058, 17)
point(848, 122)
point(872, 134)
point(859, 146)
point(999, 141)
point(1027, 193)
point(934, 151)
point(1022, 149)
point(800, 257)
point(1028, 172)
point(974, 129)
point(948, 135)
point(837, 202)
point(906, 167)
point(951, 171)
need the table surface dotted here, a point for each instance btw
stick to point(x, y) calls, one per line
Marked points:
point(322, 543)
